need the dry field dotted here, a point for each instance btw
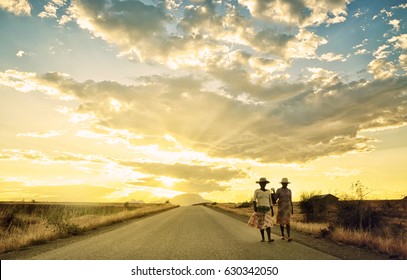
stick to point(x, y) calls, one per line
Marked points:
point(24, 224)
point(392, 240)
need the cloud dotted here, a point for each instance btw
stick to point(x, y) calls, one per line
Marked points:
point(332, 57)
point(62, 193)
point(395, 23)
point(382, 68)
point(301, 13)
point(21, 53)
point(361, 51)
point(17, 7)
point(51, 9)
point(23, 154)
point(290, 122)
point(399, 42)
point(341, 172)
point(360, 12)
point(43, 134)
point(132, 25)
point(201, 33)
point(28, 81)
point(186, 177)
point(403, 61)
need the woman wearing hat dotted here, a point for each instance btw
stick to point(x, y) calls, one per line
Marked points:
point(285, 208)
point(263, 210)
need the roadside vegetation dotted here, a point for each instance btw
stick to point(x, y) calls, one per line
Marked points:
point(378, 225)
point(24, 224)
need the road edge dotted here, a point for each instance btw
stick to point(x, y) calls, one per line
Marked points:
point(341, 251)
point(28, 252)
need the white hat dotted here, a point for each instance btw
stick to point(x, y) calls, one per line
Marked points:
point(284, 180)
point(263, 180)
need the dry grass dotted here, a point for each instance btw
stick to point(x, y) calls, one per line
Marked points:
point(394, 246)
point(311, 228)
point(231, 207)
point(27, 224)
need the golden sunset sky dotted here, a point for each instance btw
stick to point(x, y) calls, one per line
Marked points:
point(118, 100)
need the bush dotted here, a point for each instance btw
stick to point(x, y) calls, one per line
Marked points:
point(9, 220)
point(245, 204)
point(356, 214)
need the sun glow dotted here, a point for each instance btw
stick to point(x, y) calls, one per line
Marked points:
point(261, 88)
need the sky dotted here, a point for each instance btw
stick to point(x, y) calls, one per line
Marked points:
point(115, 101)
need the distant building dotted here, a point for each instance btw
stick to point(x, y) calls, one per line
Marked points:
point(323, 207)
point(325, 199)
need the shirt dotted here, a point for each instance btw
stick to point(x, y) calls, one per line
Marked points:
point(263, 198)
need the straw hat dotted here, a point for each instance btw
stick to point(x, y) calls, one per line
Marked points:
point(284, 180)
point(262, 180)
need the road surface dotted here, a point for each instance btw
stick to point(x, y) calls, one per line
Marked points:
point(187, 233)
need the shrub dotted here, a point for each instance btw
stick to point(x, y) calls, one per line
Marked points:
point(358, 215)
point(9, 220)
point(246, 204)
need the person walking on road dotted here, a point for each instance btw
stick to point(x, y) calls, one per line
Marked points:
point(263, 210)
point(285, 208)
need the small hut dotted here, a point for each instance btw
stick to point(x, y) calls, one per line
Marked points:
point(324, 207)
point(325, 199)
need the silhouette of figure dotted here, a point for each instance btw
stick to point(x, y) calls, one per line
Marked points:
point(263, 210)
point(285, 208)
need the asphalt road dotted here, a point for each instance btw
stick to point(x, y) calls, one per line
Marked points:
point(186, 233)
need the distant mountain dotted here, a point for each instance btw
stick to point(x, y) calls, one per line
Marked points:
point(136, 201)
point(188, 199)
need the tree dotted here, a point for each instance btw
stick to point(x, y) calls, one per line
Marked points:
point(355, 213)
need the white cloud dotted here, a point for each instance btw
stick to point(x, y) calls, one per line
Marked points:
point(399, 42)
point(21, 53)
point(332, 57)
point(403, 61)
point(395, 23)
point(17, 7)
point(361, 51)
point(401, 6)
point(381, 52)
point(239, 76)
point(44, 134)
point(302, 13)
point(28, 81)
point(318, 110)
point(305, 45)
point(199, 35)
point(341, 172)
point(360, 12)
point(51, 9)
point(381, 68)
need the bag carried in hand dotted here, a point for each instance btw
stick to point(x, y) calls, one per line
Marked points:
point(274, 198)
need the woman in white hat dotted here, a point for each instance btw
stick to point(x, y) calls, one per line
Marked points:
point(263, 210)
point(285, 208)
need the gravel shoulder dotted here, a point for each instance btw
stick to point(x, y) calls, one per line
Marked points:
point(341, 251)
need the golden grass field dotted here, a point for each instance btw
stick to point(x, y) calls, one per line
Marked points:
point(391, 241)
point(24, 224)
